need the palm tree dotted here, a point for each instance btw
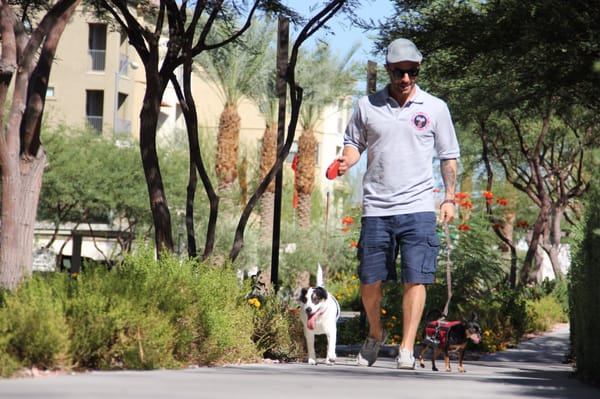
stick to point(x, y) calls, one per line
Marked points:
point(325, 78)
point(267, 105)
point(235, 69)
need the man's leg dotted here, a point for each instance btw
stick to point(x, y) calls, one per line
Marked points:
point(413, 303)
point(371, 298)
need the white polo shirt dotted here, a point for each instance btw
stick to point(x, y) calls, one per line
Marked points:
point(400, 144)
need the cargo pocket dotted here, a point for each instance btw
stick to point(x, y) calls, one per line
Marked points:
point(431, 252)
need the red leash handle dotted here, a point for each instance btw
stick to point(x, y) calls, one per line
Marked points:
point(333, 170)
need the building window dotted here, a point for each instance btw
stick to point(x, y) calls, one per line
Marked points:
point(97, 46)
point(94, 105)
point(50, 92)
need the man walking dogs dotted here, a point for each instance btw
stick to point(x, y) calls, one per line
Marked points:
point(400, 127)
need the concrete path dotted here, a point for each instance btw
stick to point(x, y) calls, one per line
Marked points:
point(533, 370)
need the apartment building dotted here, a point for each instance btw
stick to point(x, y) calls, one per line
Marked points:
point(98, 80)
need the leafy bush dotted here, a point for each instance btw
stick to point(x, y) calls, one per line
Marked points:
point(584, 279)
point(144, 314)
point(33, 327)
point(278, 331)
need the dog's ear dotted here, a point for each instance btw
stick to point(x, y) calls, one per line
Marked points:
point(321, 293)
point(302, 297)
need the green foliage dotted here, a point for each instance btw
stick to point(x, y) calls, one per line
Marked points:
point(584, 298)
point(278, 331)
point(88, 176)
point(144, 314)
point(549, 311)
point(505, 313)
point(33, 328)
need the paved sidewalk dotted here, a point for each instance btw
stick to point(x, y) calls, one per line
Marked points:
point(533, 370)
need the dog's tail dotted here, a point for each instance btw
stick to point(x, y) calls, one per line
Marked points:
point(320, 281)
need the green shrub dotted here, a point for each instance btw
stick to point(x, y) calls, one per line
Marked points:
point(143, 314)
point(278, 331)
point(584, 280)
point(225, 316)
point(33, 327)
point(548, 311)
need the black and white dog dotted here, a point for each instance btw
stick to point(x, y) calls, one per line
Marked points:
point(319, 314)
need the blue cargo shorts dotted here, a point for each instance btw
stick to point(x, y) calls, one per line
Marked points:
point(412, 235)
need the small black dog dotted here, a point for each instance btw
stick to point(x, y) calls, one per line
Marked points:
point(442, 335)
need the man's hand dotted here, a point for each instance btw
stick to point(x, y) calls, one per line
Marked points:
point(447, 210)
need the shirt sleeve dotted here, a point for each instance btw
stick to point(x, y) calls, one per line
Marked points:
point(355, 133)
point(446, 143)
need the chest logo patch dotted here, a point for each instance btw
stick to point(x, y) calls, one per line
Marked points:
point(420, 121)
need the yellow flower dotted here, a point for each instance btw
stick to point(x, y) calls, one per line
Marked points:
point(383, 311)
point(254, 302)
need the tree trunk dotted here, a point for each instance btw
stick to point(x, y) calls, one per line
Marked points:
point(26, 61)
point(158, 201)
point(305, 182)
point(268, 156)
point(536, 239)
point(227, 147)
point(21, 188)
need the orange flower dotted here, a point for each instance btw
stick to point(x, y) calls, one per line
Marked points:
point(345, 228)
point(463, 227)
point(488, 194)
point(436, 190)
point(466, 205)
point(347, 220)
point(461, 196)
point(502, 201)
point(354, 244)
point(522, 224)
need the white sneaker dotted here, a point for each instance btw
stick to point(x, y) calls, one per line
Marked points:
point(405, 360)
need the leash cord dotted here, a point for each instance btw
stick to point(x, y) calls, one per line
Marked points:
point(448, 276)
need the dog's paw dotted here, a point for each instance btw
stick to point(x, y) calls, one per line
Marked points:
point(312, 362)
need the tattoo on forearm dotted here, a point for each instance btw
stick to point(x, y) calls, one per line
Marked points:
point(449, 173)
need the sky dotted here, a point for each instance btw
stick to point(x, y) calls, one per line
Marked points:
point(345, 36)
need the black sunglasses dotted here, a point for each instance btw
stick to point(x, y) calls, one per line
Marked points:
point(399, 73)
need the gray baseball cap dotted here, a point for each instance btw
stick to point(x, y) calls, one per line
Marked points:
point(403, 50)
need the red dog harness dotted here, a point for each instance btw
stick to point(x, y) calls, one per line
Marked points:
point(436, 331)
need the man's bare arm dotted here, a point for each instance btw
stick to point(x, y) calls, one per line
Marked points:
point(449, 169)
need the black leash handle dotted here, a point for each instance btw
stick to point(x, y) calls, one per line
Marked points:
point(448, 276)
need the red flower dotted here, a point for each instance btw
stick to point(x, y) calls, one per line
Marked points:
point(436, 190)
point(463, 227)
point(345, 228)
point(354, 244)
point(347, 220)
point(461, 196)
point(466, 204)
point(488, 194)
point(502, 201)
point(522, 224)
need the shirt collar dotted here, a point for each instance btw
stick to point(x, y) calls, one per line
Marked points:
point(417, 98)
